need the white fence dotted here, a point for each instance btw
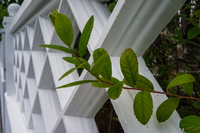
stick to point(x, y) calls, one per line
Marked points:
point(30, 103)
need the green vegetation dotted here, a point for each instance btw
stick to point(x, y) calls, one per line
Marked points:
point(3, 12)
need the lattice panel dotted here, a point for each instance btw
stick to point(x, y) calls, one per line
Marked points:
point(37, 70)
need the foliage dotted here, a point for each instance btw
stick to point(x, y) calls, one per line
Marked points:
point(3, 12)
point(5, 3)
point(190, 124)
point(102, 71)
point(176, 51)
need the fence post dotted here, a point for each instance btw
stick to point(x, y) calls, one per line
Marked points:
point(9, 57)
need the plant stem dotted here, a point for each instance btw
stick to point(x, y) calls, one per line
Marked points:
point(127, 88)
point(74, 54)
point(165, 93)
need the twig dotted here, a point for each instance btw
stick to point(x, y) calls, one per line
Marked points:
point(169, 94)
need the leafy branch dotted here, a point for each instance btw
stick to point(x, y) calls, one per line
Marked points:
point(102, 71)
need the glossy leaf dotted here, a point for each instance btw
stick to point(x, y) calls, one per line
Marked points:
point(190, 124)
point(193, 32)
point(143, 106)
point(179, 80)
point(188, 88)
point(165, 110)
point(57, 47)
point(64, 29)
point(98, 65)
point(75, 61)
point(196, 104)
point(85, 36)
point(107, 69)
point(115, 91)
point(83, 65)
point(129, 66)
point(144, 83)
point(76, 83)
point(100, 84)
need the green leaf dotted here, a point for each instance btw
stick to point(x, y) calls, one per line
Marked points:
point(179, 80)
point(98, 53)
point(193, 32)
point(197, 13)
point(75, 61)
point(98, 65)
point(165, 110)
point(83, 65)
point(68, 72)
point(190, 124)
point(129, 66)
point(144, 83)
point(76, 83)
point(52, 17)
point(112, 6)
point(188, 88)
point(64, 29)
point(100, 84)
point(143, 107)
point(107, 69)
point(196, 104)
point(178, 36)
point(115, 91)
point(191, 20)
point(57, 47)
point(85, 36)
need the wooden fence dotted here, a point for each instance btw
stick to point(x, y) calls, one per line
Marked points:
point(29, 73)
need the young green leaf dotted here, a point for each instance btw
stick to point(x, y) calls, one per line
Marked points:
point(129, 66)
point(74, 60)
point(57, 47)
point(190, 124)
point(165, 110)
point(115, 91)
point(188, 88)
point(52, 17)
point(100, 84)
point(68, 72)
point(143, 106)
point(76, 83)
point(98, 65)
point(64, 29)
point(85, 36)
point(107, 69)
point(144, 83)
point(83, 65)
point(98, 53)
point(179, 80)
point(196, 104)
point(193, 32)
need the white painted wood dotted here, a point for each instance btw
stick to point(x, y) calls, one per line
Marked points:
point(14, 116)
point(124, 105)
point(33, 72)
